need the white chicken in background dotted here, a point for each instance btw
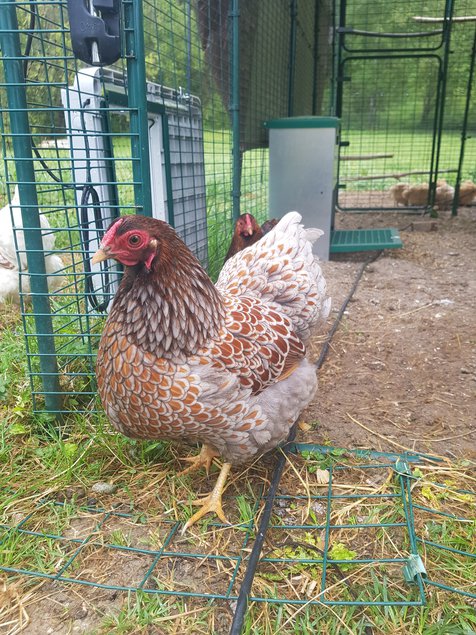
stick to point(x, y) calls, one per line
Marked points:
point(9, 263)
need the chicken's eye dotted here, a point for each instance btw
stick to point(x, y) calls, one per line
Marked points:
point(134, 240)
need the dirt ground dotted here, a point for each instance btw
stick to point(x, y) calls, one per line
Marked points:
point(401, 372)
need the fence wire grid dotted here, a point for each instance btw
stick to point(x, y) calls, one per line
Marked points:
point(157, 132)
point(405, 95)
point(371, 535)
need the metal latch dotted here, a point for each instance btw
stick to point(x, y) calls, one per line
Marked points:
point(413, 568)
point(401, 465)
point(95, 30)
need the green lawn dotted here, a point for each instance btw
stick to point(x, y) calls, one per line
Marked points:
point(410, 152)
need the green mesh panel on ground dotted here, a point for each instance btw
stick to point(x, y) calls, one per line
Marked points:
point(364, 538)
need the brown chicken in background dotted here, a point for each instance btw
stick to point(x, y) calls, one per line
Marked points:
point(247, 232)
point(467, 193)
point(419, 194)
point(224, 365)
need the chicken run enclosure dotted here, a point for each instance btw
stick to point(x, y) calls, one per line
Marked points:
point(159, 107)
point(162, 111)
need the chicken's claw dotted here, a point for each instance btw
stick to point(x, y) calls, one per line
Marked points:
point(205, 458)
point(212, 502)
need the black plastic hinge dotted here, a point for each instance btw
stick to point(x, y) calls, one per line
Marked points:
point(95, 37)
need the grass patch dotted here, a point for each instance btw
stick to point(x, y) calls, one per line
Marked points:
point(141, 611)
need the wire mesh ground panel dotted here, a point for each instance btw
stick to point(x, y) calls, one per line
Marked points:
point(364, 538)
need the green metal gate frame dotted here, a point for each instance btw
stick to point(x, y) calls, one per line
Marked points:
point(440, 52)
point(464, 130)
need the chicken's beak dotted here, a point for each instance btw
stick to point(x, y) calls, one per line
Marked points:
point(100, 255)
point(249, 230)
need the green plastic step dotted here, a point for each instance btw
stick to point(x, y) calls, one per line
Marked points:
point(346, 240)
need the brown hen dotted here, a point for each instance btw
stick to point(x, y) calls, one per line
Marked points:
point(247, 232)
point(224, 364)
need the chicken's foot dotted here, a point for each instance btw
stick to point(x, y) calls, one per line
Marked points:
point(206, 456)
point(212, 502)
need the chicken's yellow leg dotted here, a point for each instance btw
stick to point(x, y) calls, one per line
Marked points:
point(206, 456)
point(212, 502)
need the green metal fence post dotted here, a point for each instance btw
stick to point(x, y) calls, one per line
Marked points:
point(441, 96)
point(137, 95)
point(334, 62)
point(315, 62)
point(292, 56)
point(22, 148)
point(464, 130)
point(234, 16)
point(339, 59)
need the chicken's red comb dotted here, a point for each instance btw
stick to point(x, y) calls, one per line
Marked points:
point(249, 220)
point(110, 234)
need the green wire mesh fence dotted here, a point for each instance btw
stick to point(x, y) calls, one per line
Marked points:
point(172, 128)
point(381, 532)
point(404, 83)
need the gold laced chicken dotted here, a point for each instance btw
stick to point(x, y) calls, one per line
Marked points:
point(221, 364)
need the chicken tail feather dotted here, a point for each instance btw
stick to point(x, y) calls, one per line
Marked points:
point(282, 269)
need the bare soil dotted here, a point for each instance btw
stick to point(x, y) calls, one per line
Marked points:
point(401, 372)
